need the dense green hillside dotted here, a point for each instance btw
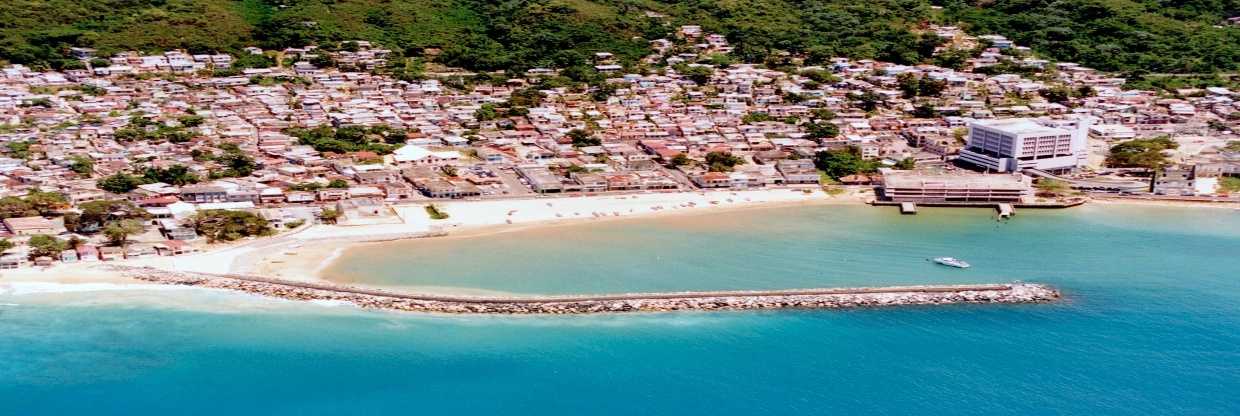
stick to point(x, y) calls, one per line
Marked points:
point(1119, 35)
point(495, 34)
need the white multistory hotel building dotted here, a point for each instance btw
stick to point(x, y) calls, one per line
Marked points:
point(1013, 145)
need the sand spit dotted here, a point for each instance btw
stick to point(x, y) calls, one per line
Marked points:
point(833, 298)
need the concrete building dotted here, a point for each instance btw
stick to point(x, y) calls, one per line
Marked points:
point(418, 155)
point(902, 186)
point(1012, 145)
point(799, 171)
point(1112, 132)
point(442, 188)
point(1185, 180)
point(29, 226)
point(541, 179)
point(204, 193)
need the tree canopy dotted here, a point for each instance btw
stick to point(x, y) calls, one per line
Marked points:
point(35, 202)
point(1141, 153)
point(843, 162)
point(1113, 35)
point(379, 139)
point(94, 215)
point(221, 225)
point(46, 246)
point(722, 162)
point(583, 138)
point(118, 232)
point(1124, 35)
point(120, 183)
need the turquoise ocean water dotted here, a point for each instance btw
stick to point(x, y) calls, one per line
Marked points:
point(1151, 325)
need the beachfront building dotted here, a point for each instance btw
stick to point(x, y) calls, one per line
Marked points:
point(1013, 145)
point(798, 171)
point(1185, 180)
point(902, 186)
point(540, 179)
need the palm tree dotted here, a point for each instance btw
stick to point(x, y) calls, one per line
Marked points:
point(118, 232)
point(329, 216)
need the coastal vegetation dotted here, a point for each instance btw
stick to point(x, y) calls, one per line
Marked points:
point(1229, 184)
point(118, 232)
point(42, 245)
point(722, 161)
point(329, 216)
point(1052, 188)
point(843, 162)
point(94, 216)
point(1141, 153)
point(120, 183)
point(177, 175)
point(582, 138)
point(1121, 35)
point(34, 203)
point(907, 163)
point(222, 225)
point(435, 213)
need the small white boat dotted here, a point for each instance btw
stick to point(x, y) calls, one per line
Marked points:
point(951, 261)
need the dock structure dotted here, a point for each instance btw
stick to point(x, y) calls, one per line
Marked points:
point(943, 188)
point(908, 208)
point(824, 298)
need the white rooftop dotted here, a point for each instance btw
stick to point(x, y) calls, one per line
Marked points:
point(1021, 126)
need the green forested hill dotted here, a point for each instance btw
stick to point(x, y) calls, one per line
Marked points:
point(1118, 35)
point(1129, 35)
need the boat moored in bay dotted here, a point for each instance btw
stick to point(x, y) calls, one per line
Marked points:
point(951, 261)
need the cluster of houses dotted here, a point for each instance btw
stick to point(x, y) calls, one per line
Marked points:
point(66, 131)
point(23, 228)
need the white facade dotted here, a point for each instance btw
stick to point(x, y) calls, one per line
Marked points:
point(1012, 145)
point(1112, 132)
point(418, 155)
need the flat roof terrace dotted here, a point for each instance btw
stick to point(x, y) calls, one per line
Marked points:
point(1022, 127)
point(909, 180)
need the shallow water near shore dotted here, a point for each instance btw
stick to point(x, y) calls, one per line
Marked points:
point(1149, 325)
point(798, 248)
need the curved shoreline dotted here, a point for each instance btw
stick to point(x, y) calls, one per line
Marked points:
point(824, 298)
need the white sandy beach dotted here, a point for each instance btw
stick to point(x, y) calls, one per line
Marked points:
point(303, 253)
point(307, 253)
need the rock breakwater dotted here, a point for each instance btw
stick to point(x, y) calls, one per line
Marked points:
point(832, 298)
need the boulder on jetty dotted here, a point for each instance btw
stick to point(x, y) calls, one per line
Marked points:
point(834, 298)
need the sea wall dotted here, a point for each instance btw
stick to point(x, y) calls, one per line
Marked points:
point(832, 298)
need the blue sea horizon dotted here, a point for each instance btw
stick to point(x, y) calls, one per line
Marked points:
point(1149, 325)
